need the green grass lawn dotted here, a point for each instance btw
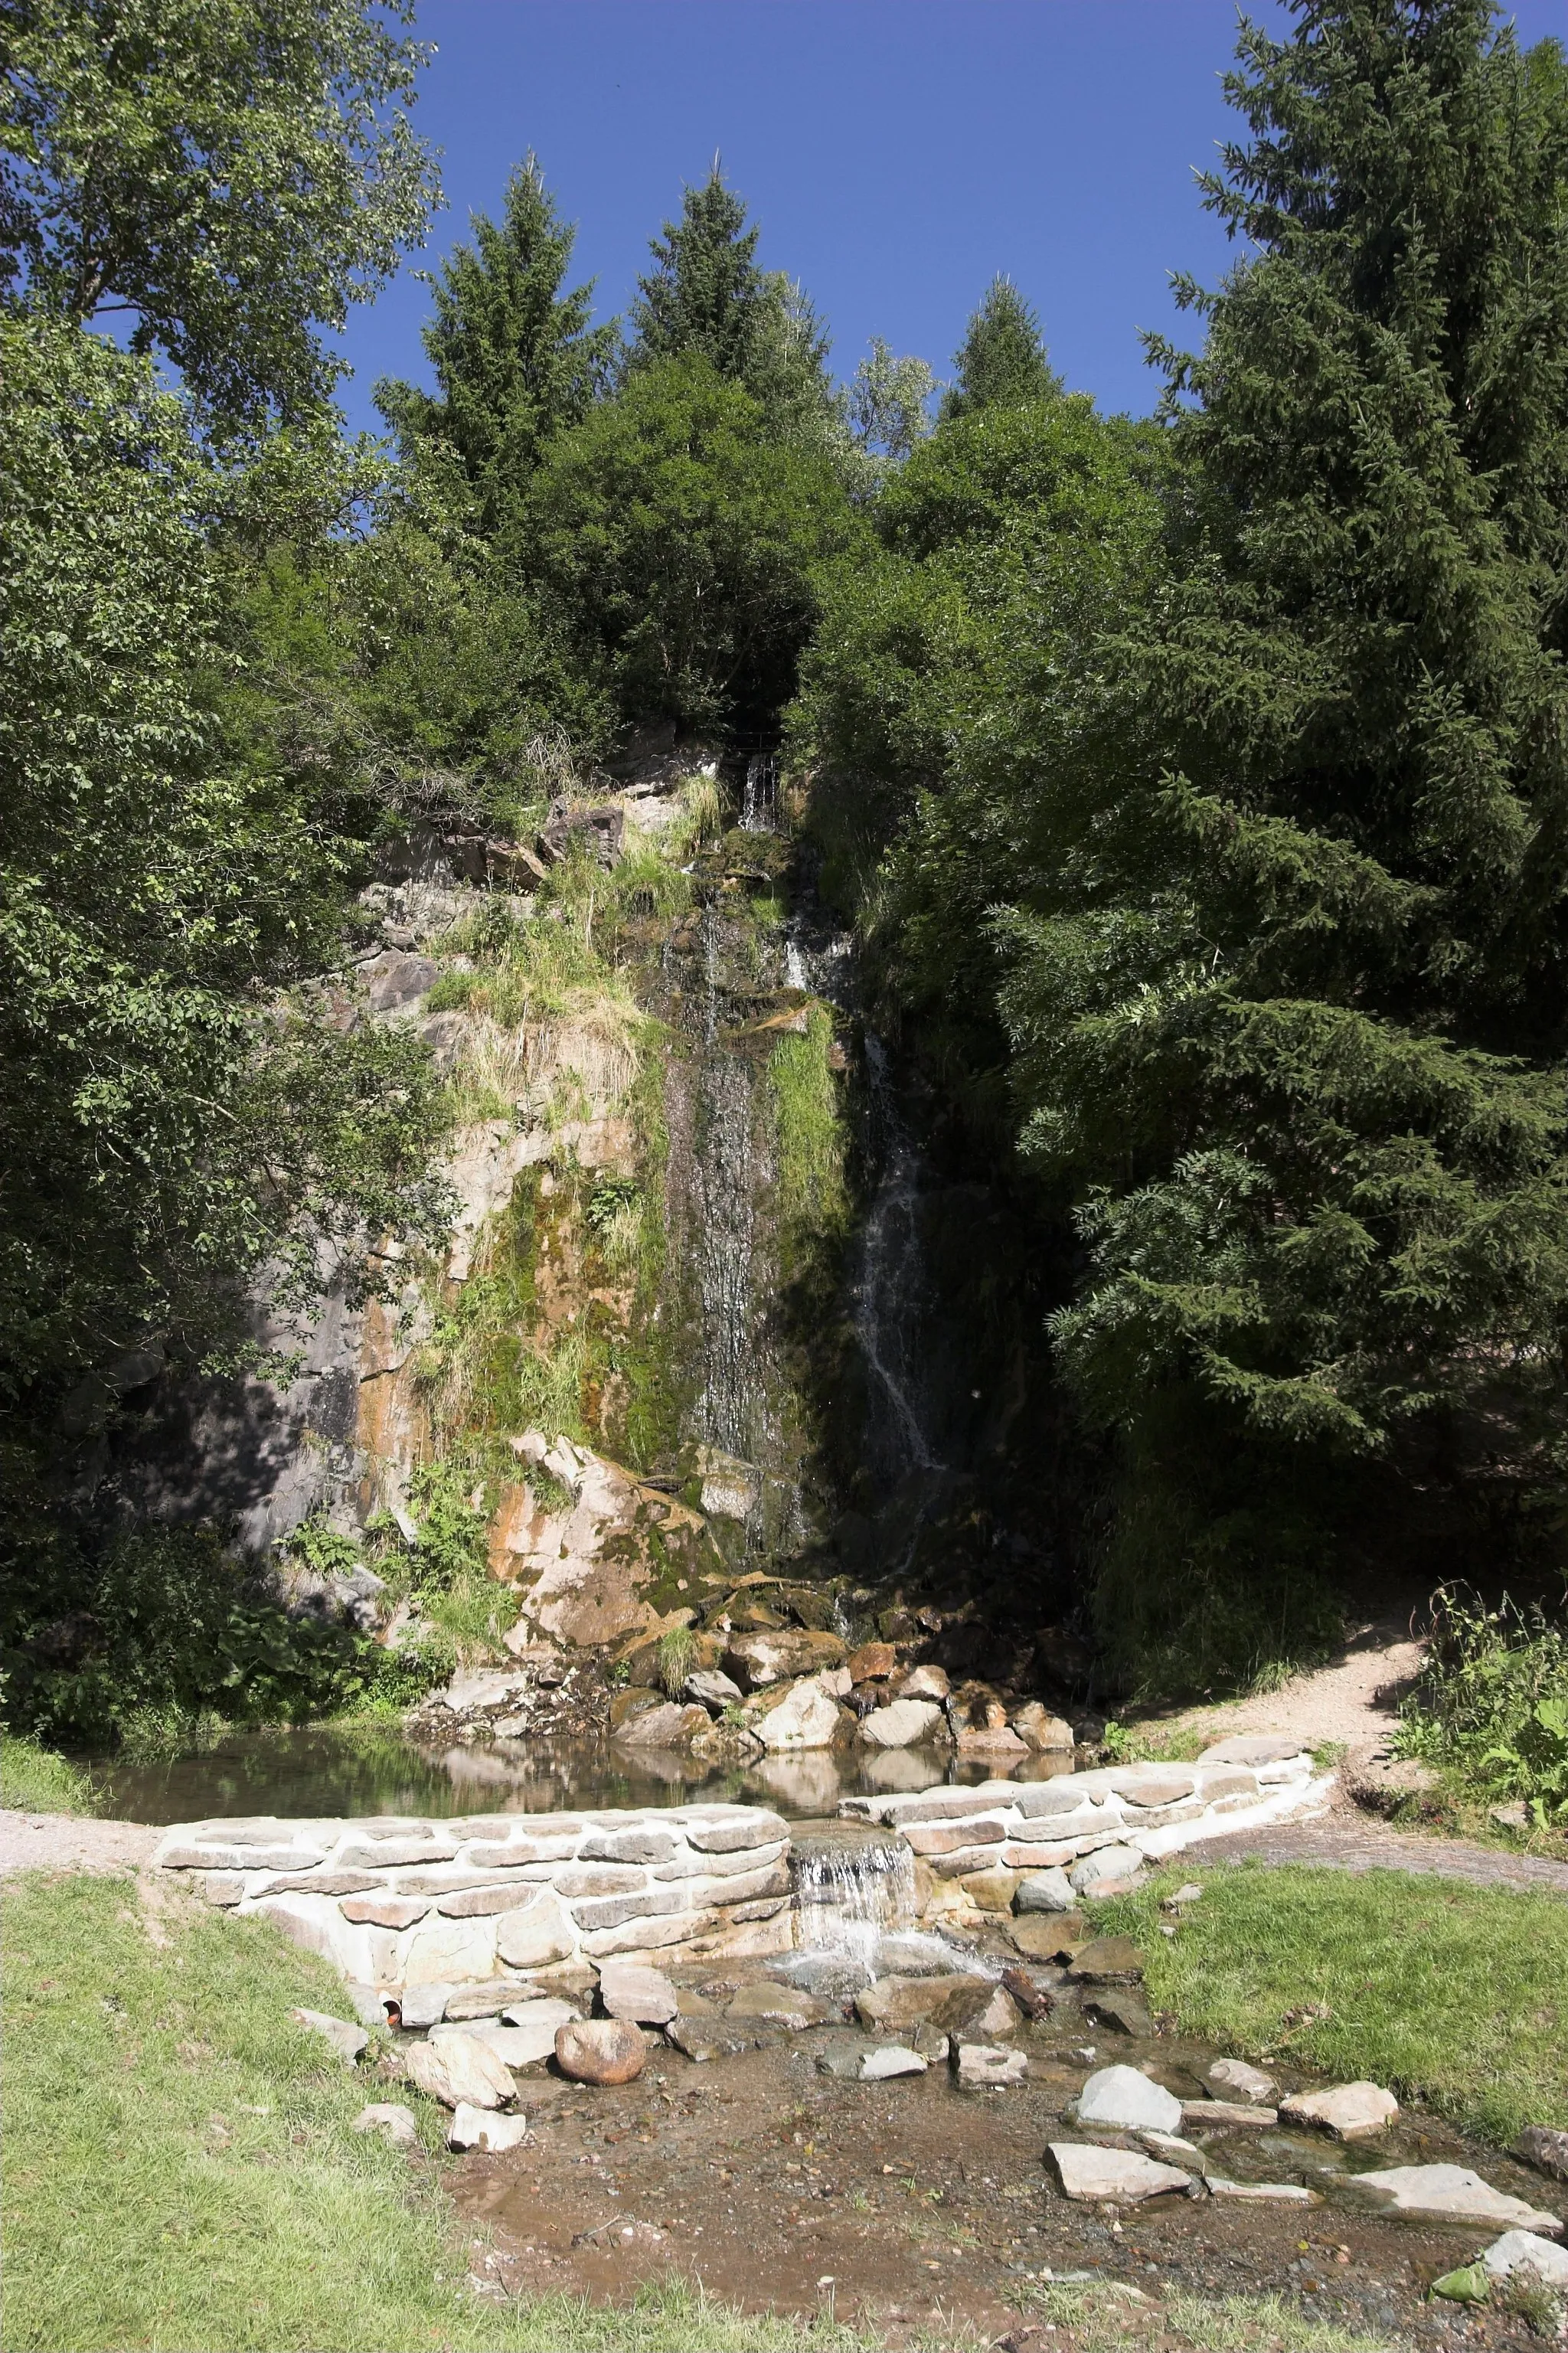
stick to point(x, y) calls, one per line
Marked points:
point(1453, 1995)
point(181, 2170)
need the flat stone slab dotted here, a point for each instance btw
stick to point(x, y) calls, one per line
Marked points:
point(1045, 1891)
point(1541, 2145)
point(1122, 2010)
point(1447, 2193)
point(895, 2002)
point(1119, 2176)
point(514, 2046)
point(790, 2006)
point(1234, 2079)
point(629, 1989)
point(1107, 1960)
point(480, 2129)
point(460, 2070)
point(1225, 2115)
point(348, 2041)
point(1127, 2101)
point(534, 2025)
point(1261, 2193)
point(1527, 2250)
point(703, 2039)
point(981, 2066)
point(1254, 1748)
point(878, 2066)
point(1172, 2149)
point(1349, 2111)
point(390, 2117)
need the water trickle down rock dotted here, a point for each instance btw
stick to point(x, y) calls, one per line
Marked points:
point(892, 1284)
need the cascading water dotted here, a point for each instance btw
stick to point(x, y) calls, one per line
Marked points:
point(760, 798)
point(891, 1288)
point(850, 1891)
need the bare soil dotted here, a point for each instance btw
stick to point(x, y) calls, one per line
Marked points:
point(73, 1842)
point(911, 2206)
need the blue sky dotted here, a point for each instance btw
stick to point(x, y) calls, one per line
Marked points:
point(897, 154)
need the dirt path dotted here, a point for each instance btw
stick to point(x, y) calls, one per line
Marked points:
point(73, 1842)
point(1354, 1700)
point(1350, 1841)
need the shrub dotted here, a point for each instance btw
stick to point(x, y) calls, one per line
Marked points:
point(1491, 1702)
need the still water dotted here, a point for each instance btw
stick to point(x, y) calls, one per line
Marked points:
point(332, 1769)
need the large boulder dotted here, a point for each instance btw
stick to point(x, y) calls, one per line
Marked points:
point(794, 1716)
point(601, 2050)
point(774, 1656)
point(903, 1724)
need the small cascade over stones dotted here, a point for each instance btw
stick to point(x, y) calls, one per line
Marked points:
point(850, 1889)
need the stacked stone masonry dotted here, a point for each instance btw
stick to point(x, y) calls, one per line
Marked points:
point(1153, 1809)
point(399, 1902)
point(395, 1903)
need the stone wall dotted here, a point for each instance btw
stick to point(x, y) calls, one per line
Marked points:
point(395, 1903)
point(1125, 1815)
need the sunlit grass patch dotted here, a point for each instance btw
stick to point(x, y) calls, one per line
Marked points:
point(1453, 1995)
point(182, 2170)
point(37, 1781)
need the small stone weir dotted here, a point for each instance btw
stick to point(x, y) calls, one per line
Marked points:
point(850, 1886)
point(397, 1902)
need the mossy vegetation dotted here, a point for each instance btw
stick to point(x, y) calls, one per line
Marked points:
point(813, 1194)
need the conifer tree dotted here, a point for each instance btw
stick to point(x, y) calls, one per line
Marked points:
point(1002, 362)
point(1290, 1002)
point(705, 295)
point(515, 358)
point(706, 299)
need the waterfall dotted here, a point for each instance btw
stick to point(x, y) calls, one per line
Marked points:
point(760, 801)
point(892, 1285)
point(847, 1897)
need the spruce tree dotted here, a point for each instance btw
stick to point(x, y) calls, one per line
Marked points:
point(706, 299)
point(1291, 1001)
point(1002, 363)
point(705, 295)
point(515, 358)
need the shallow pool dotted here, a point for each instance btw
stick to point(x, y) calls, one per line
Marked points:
point(338, 1769)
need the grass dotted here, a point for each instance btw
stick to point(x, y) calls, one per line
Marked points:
point(182, 2170)
point(1107, 2319)
point(1104, 2318)
point(37, 1781)
point(1453, 1996)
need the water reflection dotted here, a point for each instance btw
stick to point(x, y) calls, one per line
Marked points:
point(347, 1770)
